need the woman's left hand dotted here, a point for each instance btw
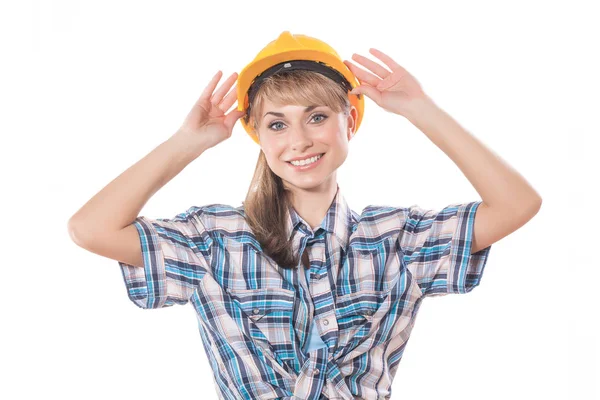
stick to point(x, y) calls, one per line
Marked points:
point(394, 91)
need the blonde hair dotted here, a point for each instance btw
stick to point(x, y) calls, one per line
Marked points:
point(266, 204)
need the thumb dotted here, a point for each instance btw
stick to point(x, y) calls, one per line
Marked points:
point(232, 117)
point(367, 90)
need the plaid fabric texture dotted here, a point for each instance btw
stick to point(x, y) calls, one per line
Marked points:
point(368, 275)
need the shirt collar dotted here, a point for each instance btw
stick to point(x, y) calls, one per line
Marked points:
point(338, 220)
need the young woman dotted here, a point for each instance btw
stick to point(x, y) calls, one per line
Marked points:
point(297, 295)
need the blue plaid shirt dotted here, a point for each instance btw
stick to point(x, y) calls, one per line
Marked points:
point(368, 275)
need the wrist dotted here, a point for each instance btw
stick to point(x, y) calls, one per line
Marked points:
point(187, 147)
point(419, 108)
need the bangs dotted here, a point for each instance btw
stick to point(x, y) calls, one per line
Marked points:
point(300, 88)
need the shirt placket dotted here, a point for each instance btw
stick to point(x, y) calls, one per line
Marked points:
point(321, 291)
point(315, 370)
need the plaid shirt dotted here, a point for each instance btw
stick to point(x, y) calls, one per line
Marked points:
point(368, 276)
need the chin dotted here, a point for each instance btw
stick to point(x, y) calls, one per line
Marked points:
point(306, 183)
point(305, 186)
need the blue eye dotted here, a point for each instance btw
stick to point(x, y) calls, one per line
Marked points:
point(314, 116)
point(274, 123)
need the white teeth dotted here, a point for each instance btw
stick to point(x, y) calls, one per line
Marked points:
point(306, 162)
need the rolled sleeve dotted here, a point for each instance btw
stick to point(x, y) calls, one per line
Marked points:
point(436, 247)
point(176, 255)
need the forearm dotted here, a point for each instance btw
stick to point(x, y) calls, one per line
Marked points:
point(120, 202)
point(498, 184)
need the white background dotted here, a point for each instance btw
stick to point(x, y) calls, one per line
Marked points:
point(88, 88)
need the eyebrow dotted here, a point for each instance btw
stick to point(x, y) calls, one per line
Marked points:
point(281, 115)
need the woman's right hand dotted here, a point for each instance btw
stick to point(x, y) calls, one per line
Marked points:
point(206, 125)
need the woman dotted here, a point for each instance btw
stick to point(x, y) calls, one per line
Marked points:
point(296, 295)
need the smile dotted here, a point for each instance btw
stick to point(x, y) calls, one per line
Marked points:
point(303, 165)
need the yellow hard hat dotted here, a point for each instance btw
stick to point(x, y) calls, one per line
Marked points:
point(291, 52)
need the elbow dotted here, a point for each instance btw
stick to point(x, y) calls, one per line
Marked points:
point(538, 204)
point(534, 208)
point(74, 231)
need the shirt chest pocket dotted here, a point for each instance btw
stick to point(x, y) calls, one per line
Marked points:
point(266, 315)
point(355, 313)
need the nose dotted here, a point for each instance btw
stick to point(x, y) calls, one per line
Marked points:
point(300, 139)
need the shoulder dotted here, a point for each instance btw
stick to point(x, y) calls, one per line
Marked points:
point(380, 221)
point(216, 216)
point(225, 223)
point(381, 214)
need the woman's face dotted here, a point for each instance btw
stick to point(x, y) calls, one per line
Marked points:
point(288, 132)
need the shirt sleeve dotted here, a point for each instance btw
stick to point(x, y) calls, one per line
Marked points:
point(176, 254)
point(436, 248)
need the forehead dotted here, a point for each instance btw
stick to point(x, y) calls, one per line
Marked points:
point(281, 110)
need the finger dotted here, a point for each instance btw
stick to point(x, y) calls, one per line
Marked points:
point(390, 80)
point(210, 87)
point(362, 82)
point(225, 86)
point(228, 101)
point(393, 65)
point(362, 74)
point(373, 66)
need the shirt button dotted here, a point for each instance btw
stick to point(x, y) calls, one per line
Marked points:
point(255, 311)
point(325, 322)
point(316, 372)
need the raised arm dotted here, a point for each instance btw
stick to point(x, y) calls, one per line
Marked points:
point(104, 224)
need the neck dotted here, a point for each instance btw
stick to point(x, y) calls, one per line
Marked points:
point(312, 204)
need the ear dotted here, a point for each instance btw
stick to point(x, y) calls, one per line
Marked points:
point(351, 122)
point(255, 132)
